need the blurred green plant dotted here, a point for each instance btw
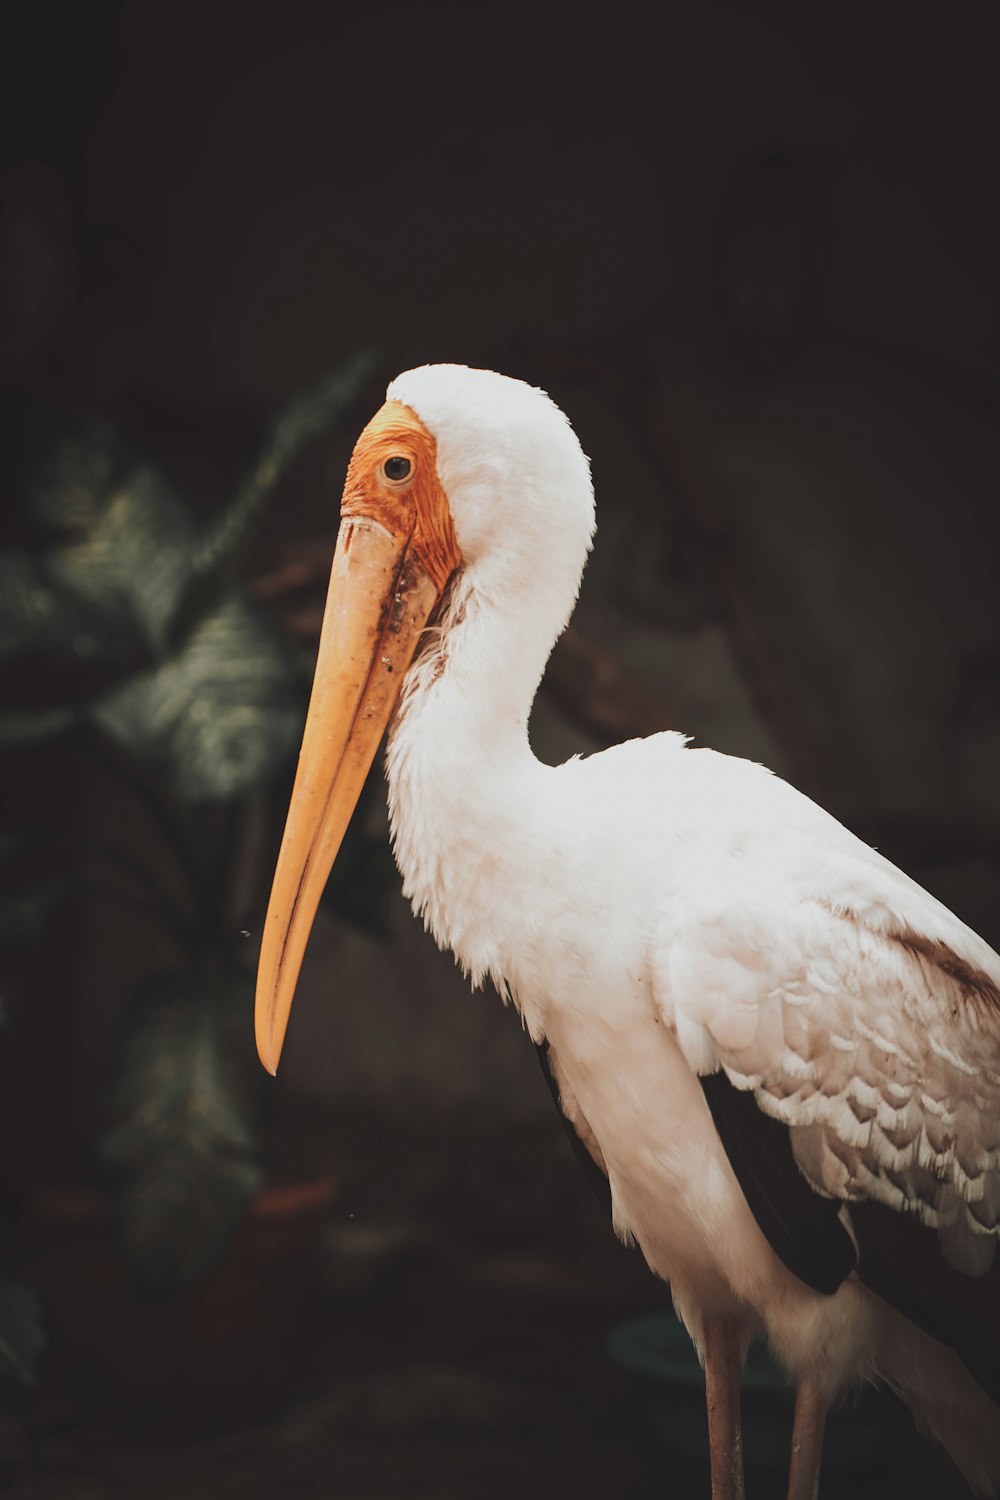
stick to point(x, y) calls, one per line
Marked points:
point(199, 713)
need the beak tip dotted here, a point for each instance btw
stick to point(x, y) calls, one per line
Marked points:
point(268, 1056)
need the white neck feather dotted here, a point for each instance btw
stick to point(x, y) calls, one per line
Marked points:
point(467, 798)
point(465, 790)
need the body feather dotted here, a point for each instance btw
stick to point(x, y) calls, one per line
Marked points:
point(697, 946)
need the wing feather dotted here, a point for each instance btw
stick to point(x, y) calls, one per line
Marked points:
point(856, 1009)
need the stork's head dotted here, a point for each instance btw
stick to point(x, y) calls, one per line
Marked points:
point(459, 469)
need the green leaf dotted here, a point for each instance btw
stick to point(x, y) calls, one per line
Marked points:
point(309, 415)
point(36, 618)
point(131, 567)
point(112, 581)
point(22, 729)
point(136, 571)
point(25, 914)
point(180, 1155)
point(68, 468)
point(220, 716)
point(22, 1337)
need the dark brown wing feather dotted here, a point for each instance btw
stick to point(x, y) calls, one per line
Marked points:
point(901, 1260)
point(898, 1258)
point(802, 1227)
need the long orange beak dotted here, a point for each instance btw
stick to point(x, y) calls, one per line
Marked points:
point(395, 553)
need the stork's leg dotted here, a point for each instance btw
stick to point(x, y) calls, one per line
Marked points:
point(807, 1442)
point(722, 1393)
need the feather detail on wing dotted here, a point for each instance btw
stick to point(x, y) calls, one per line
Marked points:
point(857, 1010)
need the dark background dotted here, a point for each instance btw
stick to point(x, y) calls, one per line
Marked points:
point(752, 251)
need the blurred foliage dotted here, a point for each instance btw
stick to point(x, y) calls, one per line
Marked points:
point(219, 714)
point(202, 715)
point(125, 572)
point(180, 1154)
point(305, 418)
point(130, 575)
point(34, 618)
point(22, 729)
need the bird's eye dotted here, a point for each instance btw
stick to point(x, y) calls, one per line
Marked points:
point(396, 468)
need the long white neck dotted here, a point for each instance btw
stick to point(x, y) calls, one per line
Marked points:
point(466, 794)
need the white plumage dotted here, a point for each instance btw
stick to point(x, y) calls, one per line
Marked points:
point(707, 956)
point(657, 913)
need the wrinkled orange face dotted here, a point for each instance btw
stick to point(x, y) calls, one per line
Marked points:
point(409, 501)
point(396, 551)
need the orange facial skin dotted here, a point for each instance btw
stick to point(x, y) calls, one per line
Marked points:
point(416, 506)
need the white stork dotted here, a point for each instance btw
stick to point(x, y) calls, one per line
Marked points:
point(783, 1053)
